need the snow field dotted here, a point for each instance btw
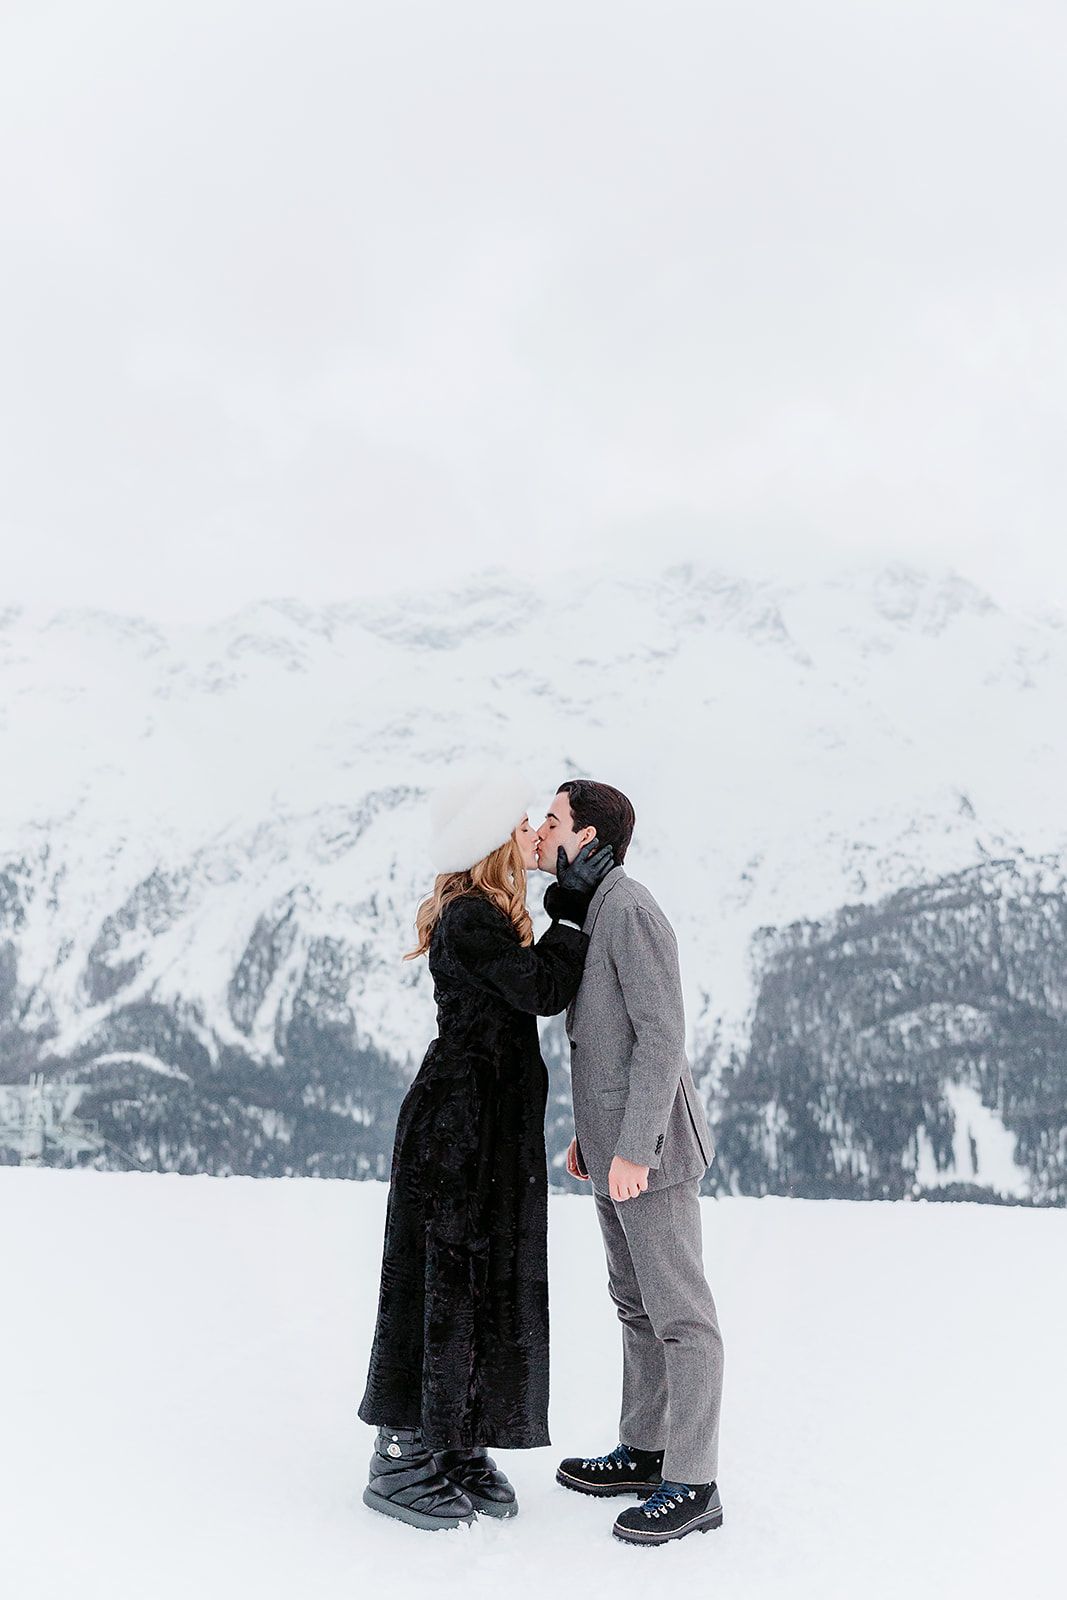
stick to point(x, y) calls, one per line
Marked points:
point(181, 1360)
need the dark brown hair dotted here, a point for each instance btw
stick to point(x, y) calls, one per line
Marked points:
point(600, 806)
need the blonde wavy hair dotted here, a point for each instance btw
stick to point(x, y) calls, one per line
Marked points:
point(500, 876)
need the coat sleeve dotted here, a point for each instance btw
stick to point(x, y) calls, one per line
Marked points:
point(645, 953)
point(541, 978)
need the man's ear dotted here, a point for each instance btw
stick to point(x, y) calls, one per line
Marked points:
point(585, 836)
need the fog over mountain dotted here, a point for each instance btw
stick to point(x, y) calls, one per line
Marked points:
point(849, 804)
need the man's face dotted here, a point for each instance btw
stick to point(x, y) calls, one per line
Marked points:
point(558, 829)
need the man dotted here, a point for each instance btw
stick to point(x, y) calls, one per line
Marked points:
point(642, 1140)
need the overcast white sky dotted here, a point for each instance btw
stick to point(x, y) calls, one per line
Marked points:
point(307, 298)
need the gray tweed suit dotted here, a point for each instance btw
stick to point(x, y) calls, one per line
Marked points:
point(634, 1096)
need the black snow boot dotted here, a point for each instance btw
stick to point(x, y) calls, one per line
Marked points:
point(405, 1483)
point(673, 1511)
point(481, 1480)
point(623, 1471)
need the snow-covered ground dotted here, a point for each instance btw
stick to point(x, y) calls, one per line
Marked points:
point(181, 1359)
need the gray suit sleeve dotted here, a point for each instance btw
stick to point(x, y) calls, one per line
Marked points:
point(645, 953)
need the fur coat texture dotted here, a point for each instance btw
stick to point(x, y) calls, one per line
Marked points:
point(461, 1343)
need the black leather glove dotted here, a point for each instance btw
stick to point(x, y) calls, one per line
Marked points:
point(577, 881)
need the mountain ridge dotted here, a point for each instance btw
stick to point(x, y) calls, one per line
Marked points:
point(204, 815)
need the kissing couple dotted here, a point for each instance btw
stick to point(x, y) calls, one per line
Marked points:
point(459, 1360)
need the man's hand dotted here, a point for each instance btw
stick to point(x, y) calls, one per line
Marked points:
point(626, 1180)
point(572, 1161)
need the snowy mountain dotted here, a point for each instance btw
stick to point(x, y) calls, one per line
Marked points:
point(849, 803)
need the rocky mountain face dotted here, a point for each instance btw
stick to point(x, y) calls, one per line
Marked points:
point(848, 805)
point(907, 1047)
point(156, 1088)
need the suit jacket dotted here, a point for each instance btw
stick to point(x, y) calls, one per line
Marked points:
point(631, 1082)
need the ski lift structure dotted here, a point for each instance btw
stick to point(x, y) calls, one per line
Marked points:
point(38, 1123)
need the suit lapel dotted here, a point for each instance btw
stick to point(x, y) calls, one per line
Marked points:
point(603, 889)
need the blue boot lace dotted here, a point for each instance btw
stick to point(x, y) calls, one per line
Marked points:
point(665, 1498)
point(615, 1459)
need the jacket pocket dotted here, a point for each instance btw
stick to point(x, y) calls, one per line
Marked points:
point(613, 1099)
point(702, 1139)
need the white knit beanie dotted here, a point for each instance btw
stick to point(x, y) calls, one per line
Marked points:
point(474, 814)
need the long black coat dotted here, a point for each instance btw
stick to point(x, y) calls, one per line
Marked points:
point(461, 1343)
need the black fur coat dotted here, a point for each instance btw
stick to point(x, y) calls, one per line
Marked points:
point(461, 1343)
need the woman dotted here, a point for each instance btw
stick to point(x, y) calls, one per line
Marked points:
point(459, 1361)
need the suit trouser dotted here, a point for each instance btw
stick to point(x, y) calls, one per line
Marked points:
point(672, 1352)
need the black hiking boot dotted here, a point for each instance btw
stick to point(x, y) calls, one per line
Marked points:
point(405, 1483)
point(624, 1471)
point(477, 1474)
point(673, 1511)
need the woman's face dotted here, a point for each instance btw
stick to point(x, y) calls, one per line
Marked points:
point(527, 840)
